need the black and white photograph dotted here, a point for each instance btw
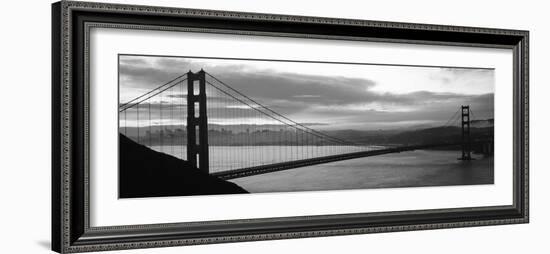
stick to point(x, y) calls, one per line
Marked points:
point(178, 124)
point(191, 125)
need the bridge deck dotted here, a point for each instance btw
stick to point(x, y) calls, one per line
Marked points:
point(244, 172)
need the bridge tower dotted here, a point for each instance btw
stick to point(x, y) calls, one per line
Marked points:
point(197, 125)
point(466, 144)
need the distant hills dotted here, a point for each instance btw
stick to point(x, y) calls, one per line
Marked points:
point(246, 134)
point(482, 123)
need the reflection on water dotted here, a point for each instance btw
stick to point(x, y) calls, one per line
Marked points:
point(407, 169)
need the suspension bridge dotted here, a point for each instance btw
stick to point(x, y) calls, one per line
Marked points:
point(245, 137)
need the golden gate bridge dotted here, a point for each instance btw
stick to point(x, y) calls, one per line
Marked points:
point(265, 141)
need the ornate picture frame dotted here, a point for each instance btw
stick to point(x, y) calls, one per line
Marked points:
point(71, 197)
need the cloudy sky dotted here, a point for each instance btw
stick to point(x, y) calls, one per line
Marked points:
point(333, 96)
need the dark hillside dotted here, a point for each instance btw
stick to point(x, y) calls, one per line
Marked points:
point(147, 173)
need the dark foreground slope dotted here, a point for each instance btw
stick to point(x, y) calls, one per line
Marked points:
point(146, 173)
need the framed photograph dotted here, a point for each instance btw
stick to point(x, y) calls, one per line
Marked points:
point(182, 126)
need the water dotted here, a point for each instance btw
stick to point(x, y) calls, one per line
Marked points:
point(406, 169)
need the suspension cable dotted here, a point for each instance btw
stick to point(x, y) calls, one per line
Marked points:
point(284, 117)
point(287, 124)
point(451, 119)
point(150, 96)
point(128, 102)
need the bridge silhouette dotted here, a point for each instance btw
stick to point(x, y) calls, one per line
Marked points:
point(247, 137)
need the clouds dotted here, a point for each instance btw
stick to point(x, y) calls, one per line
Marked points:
point(272, 86)
point(472, 81)
point(360, 101)
point(136, 72)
